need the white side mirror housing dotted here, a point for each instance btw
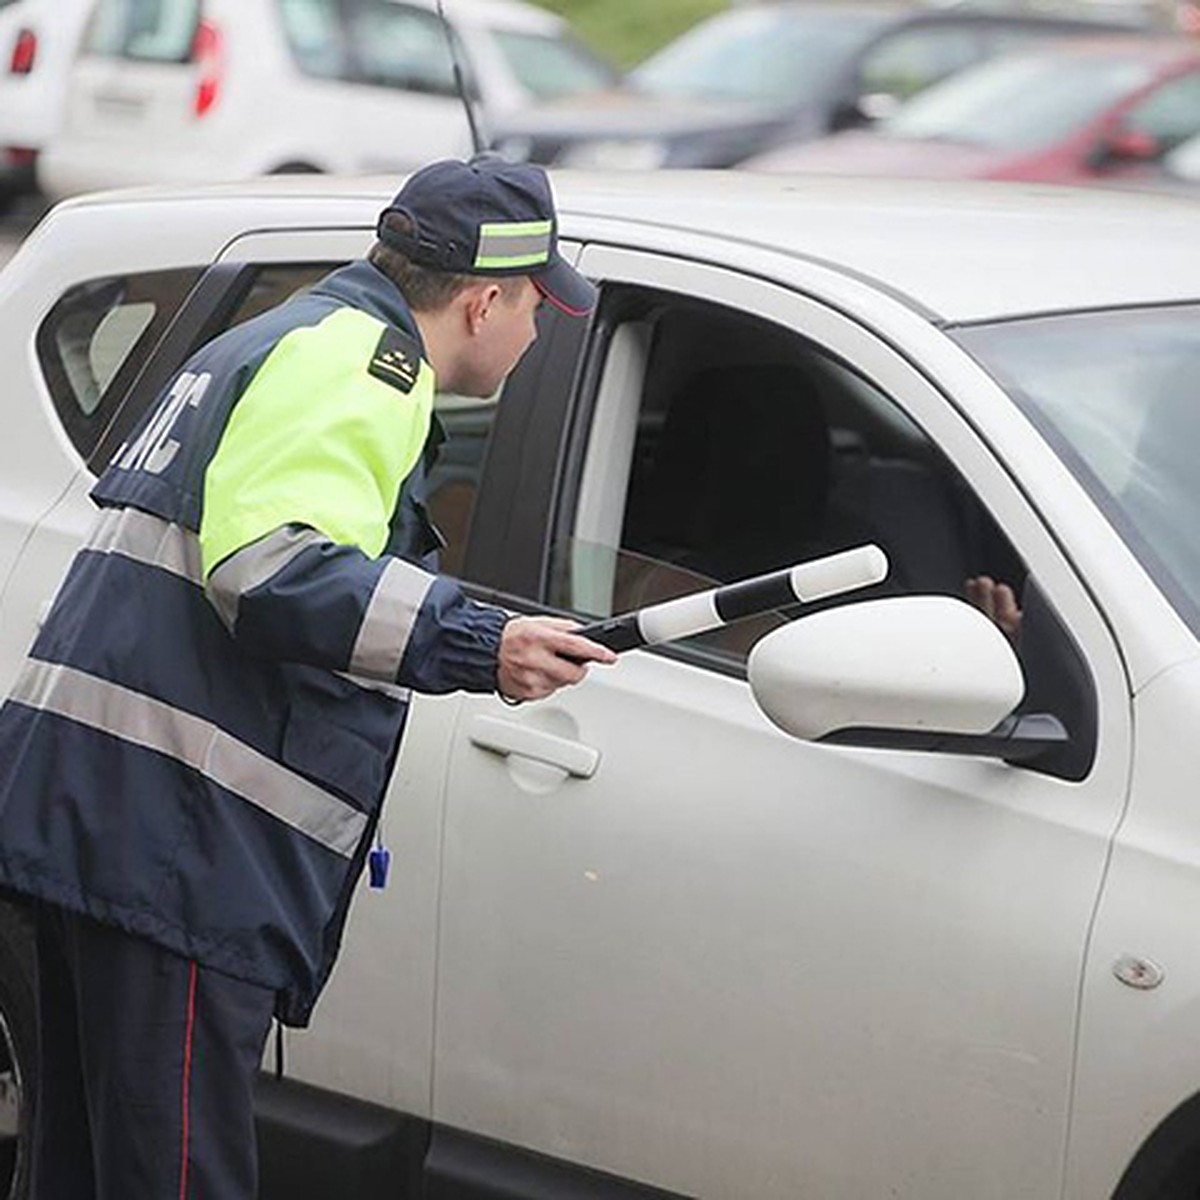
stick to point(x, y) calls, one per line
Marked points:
point(910, 663)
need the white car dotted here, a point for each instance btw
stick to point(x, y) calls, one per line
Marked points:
point(38, 39)
point(939, 941)
point(192, 91)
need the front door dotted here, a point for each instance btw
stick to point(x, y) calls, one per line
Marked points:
point(678, 946)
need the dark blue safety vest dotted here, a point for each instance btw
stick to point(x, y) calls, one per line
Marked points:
point(197, 746)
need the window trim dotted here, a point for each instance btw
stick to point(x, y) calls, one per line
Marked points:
point(88, 431)
point(913, 391)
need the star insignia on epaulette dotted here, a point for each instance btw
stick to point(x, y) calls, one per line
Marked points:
point(397, 360)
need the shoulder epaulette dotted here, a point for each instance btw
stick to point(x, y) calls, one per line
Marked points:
point(397, 359)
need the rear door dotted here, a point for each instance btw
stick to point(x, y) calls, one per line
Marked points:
point(136, 75)
point(681, 949)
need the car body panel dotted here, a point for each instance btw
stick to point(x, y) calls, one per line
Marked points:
point(1127, 1034)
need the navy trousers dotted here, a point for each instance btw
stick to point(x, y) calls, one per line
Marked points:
point(146, 1070)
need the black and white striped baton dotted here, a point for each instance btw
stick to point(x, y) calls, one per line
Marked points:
point(802, 584)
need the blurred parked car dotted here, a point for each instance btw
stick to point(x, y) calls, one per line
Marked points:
point(37, 44)
point(1080, 112)
point(197, 90)
point(754, 76)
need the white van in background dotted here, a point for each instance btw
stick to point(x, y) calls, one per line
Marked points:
point(202, 90)
point(37, 45)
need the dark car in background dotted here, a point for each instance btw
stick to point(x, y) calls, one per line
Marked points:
point(755, 76)
point(1079, 112)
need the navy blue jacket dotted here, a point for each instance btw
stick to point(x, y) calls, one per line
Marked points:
point(197, 747)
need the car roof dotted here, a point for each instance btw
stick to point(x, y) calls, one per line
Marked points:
point(958, 251)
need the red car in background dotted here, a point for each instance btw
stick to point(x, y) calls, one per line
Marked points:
point(1077, 112)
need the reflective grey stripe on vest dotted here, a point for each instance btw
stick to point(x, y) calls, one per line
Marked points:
point(215, 754)
point(147, 539)
point(254, 565)
point(389, 620)
point(386, 626)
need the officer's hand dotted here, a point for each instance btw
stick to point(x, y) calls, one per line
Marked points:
point(536, 656)
point(995, 600)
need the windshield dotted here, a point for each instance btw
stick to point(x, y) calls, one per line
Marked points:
point(762, 55)
point(548, 67)
point(1020, 103)
point(1118, 395)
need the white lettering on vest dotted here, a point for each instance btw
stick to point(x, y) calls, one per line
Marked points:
point(154, 449)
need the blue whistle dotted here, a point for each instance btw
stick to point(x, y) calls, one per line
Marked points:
point(378, 862)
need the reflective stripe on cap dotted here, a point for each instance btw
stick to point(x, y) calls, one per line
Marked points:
point(506, 245)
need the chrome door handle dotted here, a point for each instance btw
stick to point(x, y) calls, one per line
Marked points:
point(508, 737)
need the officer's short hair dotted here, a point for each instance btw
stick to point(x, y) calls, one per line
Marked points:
point(425, 290)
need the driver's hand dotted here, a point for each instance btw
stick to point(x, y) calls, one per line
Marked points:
point(536, 657)
point(997, 601)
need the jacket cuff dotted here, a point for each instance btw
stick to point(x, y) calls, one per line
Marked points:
point(455, 645)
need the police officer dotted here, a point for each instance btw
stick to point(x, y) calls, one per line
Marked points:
point(193, 759)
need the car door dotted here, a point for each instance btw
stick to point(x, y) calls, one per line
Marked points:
point(680, 948)
point(138, 70)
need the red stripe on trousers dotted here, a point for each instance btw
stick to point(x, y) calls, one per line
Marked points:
point(187, 1078)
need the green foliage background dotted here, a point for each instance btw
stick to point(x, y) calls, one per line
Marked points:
point(626, 31)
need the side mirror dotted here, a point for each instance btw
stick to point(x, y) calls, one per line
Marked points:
point(863, 110)
point(1127, 146)
point(875, 106)
point(911, 672)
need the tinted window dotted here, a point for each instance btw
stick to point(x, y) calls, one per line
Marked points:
point(316, 37)
point(548, 66)
point(153, 30)
point(731, 448)
point(765, 55)
point(912, 59)
point(96, 339)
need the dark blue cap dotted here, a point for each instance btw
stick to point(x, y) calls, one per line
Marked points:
point(487, 217)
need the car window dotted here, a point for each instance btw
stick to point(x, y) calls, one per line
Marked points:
point(97, 337)
point(1021, 102)
point(398, 46)
point(768, 55)
point(724, 447)
point(912, 59)
point(1115, 393)
point(547, 66)
point(316, 37)
point(1170, 114)
point(152, 30)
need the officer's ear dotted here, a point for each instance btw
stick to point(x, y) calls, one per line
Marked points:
point(479, 302)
